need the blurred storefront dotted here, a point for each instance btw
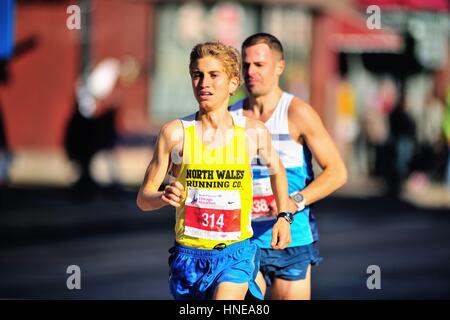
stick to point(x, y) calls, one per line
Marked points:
point(351, 74)
point(53, 67)
point(399, 90)
point(180, 25)
point(39, 96)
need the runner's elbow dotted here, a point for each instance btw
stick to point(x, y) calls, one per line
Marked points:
point(342, 177)
point(141, 204)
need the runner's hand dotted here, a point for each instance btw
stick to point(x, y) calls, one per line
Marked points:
point(173, 194)
point(281, 235)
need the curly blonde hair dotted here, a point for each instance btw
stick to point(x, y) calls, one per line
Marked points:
point(227, 55)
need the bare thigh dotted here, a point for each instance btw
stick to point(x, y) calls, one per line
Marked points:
point(230, 291)
point(292, 290)
point(261, 282)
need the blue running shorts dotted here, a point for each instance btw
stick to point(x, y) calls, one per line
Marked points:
point(195, 273)
point(290, 263)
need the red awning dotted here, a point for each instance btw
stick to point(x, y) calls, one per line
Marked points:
point(351, 34)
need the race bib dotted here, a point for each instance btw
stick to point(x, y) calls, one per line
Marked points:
point(262, 197)
point(213, 214)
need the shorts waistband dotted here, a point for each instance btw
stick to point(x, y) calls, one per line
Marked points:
point(228, 249)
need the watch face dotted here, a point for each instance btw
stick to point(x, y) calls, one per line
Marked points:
point(297, 197)
point(290, 217)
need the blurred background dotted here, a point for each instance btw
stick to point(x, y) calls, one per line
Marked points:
point(86, 85)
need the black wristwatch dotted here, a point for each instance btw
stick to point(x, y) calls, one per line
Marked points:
point(286, 215)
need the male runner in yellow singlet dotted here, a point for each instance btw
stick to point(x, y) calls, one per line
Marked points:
point(209, 155)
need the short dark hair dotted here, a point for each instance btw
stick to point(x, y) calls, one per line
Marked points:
point(267, 38)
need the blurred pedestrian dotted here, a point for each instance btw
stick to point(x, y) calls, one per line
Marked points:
point(347, 127)
point(298, 134)
point(401, 146)
point(446, 128)
point(5, 155)
point(208, 155)
point(431, 152)
point(4, 152)
point(92, 126)
point(379, 102)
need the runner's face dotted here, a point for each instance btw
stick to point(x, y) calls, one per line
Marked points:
point(211, 84)
point(262, 68)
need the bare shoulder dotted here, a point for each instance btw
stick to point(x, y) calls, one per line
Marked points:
point(301, 111)
point(303, 116)
point(171, 133)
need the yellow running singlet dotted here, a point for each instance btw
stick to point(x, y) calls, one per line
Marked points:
point(218, 184)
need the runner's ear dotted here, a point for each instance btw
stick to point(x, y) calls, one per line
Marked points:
point(280, 67)
point(234, 85)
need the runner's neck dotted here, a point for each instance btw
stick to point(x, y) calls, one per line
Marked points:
point(263, 106)
point(217, 119)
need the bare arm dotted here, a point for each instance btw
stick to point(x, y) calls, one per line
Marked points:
point(149, 198)
point(305, 123)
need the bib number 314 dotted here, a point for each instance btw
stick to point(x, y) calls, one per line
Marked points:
point(213, 214)
point(209, 220)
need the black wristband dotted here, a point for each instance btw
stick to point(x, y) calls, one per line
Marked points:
point(288, 216)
